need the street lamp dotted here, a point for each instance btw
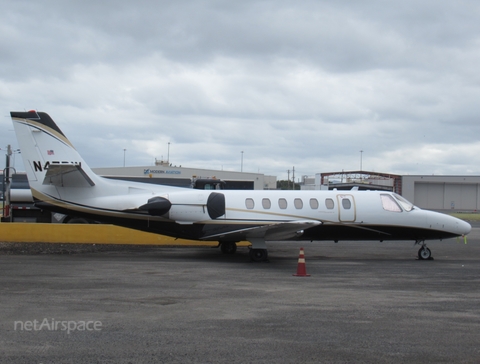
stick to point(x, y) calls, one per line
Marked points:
point(124, 152)
point(361, 160)
point(241, 165)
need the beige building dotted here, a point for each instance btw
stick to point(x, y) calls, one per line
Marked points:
point(163, 173)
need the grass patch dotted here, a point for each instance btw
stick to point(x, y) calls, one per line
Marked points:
point(467, 216)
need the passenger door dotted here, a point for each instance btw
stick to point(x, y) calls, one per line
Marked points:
point(346, 208)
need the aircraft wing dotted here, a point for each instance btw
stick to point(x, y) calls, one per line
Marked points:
point(270, 231)
point(67, 175)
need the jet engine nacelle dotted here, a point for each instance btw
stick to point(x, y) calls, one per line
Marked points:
point(187, 207)
point(193, 207)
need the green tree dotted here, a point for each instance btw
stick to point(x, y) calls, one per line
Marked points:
point(287, 185)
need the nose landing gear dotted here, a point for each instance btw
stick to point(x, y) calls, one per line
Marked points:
point(424, 253)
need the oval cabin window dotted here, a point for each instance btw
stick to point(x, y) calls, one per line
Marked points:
point(298, 203)
point(249, 203)
point(329, 204)
point(266, 203)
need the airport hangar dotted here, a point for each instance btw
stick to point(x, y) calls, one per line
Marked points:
point(166, 174)
point(432, 192)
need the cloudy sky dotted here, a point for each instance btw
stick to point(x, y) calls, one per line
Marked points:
point(304, 84)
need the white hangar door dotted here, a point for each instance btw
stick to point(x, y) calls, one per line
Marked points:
point(461, 196)
point(429, 195)
point(446, 196)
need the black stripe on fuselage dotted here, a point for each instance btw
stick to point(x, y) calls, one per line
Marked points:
point(356, 232)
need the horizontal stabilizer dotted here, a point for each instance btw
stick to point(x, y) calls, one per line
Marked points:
point(67, 175)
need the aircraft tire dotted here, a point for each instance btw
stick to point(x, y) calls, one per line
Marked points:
point(228, 247)
point(424, 253)
point(259, 255)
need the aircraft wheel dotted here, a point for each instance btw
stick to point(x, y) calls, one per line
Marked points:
point(228, 247)
point(424, 253)
point(259, 255)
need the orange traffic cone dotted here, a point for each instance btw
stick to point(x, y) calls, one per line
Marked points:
point(301, 268)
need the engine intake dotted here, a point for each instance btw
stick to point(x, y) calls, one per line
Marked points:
point(157, 206)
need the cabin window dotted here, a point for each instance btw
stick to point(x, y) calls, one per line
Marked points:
point(389, 203)
point(298, 203)
point(346, 203)
point(282, 203)
point(266, 203)
point(249, 203)
point(314, 203)
point(329, 204)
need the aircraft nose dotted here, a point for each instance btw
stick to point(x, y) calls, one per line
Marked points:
point(464, 227)
point(458, 226)
point(449, 224)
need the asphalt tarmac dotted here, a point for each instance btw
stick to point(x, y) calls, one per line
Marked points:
point(363, 303)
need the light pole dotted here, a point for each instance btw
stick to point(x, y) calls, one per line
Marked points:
point(6, 213)
point(361, 160)
point(16, 151)
point(241, 165)
point(124, 152)
point(168, 153)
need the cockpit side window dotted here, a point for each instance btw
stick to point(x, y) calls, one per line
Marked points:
point(389, 203)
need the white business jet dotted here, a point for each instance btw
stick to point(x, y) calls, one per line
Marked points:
point(61, 181)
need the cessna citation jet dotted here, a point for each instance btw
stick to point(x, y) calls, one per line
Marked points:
point(61, 181)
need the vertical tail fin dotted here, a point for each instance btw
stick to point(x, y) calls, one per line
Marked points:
point(49, 158)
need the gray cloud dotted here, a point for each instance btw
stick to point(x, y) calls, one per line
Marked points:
point(306, 84)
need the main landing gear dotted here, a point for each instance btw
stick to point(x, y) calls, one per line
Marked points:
point(424, 253)
point(259, 255)
point(228, 247)
point(258, 252)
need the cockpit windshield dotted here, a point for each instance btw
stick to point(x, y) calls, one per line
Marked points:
point(395, 203)
point(406, 205)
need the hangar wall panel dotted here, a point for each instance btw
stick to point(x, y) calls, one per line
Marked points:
point(461, 196)
point(429, 195)
point(461, 193)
